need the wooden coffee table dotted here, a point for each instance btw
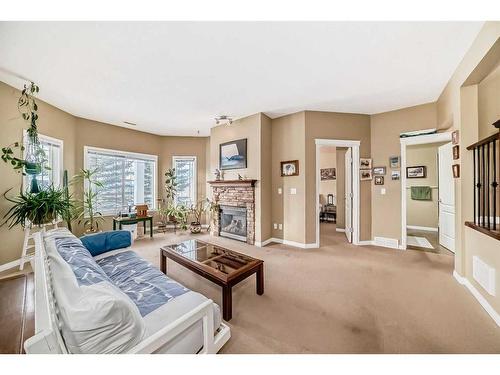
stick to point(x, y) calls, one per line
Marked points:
point(222, 266)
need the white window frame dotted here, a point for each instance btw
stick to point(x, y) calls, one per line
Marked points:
point(55, 141)
point(112, 152)
point(195, 190)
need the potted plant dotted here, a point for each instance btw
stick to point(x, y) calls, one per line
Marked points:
point(213, 209)
point(180, 214)
point(38, 208)
point(86, 210)
point(197, 210)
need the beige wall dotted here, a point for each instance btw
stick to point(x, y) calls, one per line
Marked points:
point(288, 134)
point(76, 133)
point(489, 103)
point(266, 180)
point(327, 159)
point(385, 130)
point(340, 126)
point(423, 213)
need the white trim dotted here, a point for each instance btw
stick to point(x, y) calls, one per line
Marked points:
point(137, 155)
point(390, 243)
point(479, 297)
point(292, 243)
point(181, 157)
point(424, 229)
point(9, 265)
point(264, 243)
point(365, 243)
point(354, 145)
point(419, 140)
point(340, 230)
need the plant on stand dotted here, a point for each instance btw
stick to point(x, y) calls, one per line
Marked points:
point(196, 211)
point(39, 208)
point(86, 210)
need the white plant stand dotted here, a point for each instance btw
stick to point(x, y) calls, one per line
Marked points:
point(26, 256)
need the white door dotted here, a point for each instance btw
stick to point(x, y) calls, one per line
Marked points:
point(348, 194)
point(446, 198)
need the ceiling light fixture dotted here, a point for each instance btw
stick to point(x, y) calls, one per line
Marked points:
point(222, 119)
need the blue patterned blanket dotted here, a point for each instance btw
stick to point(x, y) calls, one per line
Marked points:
point(146, 285)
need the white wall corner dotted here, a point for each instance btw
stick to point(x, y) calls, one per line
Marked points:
point(479, 297)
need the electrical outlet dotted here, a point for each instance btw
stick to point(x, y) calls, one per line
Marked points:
point(382, 191)
point(275, 226)
point(280, 226)
point(280, 191)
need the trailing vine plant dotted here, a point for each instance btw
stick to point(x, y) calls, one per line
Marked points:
point(28, 108)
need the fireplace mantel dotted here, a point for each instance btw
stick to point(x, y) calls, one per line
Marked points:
point(233, 182)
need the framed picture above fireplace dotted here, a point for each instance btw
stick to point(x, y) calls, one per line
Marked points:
point(233, 154)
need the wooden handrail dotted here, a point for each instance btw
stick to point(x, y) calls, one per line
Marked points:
point(484, 141)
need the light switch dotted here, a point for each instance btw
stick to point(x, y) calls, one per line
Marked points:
point(275, 226)
point(280, 226)
point(293, 191)
point(382, 191)
point(280, 191)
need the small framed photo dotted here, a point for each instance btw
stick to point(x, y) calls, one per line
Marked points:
point(379, 180)
point(365, 163)
point(454, 137)
point(289, 168)
point(379, 171)
point(328, 174)
point(394, 161)
point(395, 175)
point(365, 174)
point(456, 170)
point(416, 172)
point(456, 152)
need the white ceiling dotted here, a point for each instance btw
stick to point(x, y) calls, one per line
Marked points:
point(173, 78)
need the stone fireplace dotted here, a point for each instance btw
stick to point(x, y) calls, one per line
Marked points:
point(236, 217)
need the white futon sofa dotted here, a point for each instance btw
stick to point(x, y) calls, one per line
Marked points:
point(115, 302)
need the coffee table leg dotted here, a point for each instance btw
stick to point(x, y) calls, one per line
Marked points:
point(260, 280)
point(163, 263)
point(227, 303)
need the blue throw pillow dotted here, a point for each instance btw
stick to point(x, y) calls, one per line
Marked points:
point(106, 241)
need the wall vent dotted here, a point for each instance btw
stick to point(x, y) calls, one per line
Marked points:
point(386, 242)
point(483, 274)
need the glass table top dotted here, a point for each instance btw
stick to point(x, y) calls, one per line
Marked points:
point(213, 256)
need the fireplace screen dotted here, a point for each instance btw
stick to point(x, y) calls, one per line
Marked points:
point(233, 222)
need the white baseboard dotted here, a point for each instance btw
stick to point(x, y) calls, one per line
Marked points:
point(340, 230)
point(264, 243)
point(293, 243)
point(482, 301)
point(365, 243)
point(9, 265)
point(424, 229)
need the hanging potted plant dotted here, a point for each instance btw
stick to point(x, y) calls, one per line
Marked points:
point(31, 157)
point(86, 209)
point(38, 208)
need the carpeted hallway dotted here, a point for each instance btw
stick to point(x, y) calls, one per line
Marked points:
point(345, 299)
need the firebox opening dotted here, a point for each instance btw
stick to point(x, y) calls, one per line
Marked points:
point(233, 222)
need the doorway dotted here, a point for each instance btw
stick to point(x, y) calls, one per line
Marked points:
point(428, 194)
point(337, 191)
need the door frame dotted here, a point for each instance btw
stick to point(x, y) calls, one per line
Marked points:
point(410, 141)
point(354, 145)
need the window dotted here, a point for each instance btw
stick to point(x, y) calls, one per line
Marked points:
point(127, 178)
point(185, 171)
point(53, 149)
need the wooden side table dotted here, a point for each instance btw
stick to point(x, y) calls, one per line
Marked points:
point(127, 220)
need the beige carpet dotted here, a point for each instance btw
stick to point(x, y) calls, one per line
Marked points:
point(345, 299)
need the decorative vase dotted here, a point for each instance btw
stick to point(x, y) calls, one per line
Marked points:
point(195, 227)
